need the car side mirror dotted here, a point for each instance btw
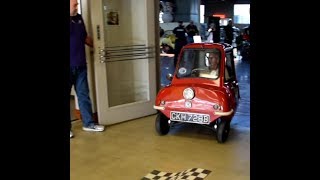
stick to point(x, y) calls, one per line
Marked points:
point(169, 77)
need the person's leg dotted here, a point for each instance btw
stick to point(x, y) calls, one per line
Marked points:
point(71, 82)
point(177, 49)
point(82, 90)
point(190, 39)
point(176, 53)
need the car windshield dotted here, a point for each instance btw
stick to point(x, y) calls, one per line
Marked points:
point(203, 63)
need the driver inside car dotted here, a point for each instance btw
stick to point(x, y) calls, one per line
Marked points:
point(212, 61)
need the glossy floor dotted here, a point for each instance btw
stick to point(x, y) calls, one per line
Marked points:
point(131, 150)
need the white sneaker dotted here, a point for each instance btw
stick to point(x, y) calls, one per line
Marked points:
point(71, 134)
point(95, 128)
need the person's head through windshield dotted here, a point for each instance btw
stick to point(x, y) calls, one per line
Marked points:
point(214, 60)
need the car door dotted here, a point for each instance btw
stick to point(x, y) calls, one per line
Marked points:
point(230, 79)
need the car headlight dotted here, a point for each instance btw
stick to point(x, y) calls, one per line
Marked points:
point(188, 93)
point(217, 107)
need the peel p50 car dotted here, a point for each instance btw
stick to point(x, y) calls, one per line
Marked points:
point(203, 90)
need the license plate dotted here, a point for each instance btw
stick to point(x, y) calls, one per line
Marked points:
point(190, 117)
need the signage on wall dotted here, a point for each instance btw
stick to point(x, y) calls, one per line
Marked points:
point(113, 18)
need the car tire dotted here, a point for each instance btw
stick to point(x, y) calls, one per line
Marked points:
point(223, 131)
point(162, 124)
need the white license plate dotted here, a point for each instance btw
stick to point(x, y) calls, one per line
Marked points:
point(190, 117)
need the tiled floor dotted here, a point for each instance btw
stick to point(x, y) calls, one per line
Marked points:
point(131, 150)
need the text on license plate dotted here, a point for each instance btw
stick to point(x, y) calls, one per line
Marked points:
point(190, 117)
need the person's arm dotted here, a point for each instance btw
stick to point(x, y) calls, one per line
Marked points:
point(187, 28)
point(197, 31)
point(89, 41)
point(174, 31)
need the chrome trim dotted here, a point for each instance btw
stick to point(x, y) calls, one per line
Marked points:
point(127, 52)
point(158, 107)
point(224, 113)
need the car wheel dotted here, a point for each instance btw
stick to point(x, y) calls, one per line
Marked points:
point(162, 124)
point(223, 131)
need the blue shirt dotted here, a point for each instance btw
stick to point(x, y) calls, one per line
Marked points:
point(78, 36)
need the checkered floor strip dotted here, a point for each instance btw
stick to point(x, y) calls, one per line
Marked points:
point(190, 174)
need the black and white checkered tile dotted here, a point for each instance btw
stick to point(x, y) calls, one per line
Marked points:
point(190, 174)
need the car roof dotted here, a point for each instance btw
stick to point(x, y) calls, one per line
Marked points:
point(206, 45)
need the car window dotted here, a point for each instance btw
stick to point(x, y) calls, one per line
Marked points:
point(203, 63)
point(229, 74)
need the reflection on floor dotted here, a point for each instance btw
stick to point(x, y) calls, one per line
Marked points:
point(242, 116)
point(167, 67)
point(132, 149)
point(72, 108)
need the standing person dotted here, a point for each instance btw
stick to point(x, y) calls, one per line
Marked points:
point(229, 32)
point(210, 33)
point(78, 68)
point(180, 33)
point(192, 30)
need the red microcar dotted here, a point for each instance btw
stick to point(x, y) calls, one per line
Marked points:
point(203, 90)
